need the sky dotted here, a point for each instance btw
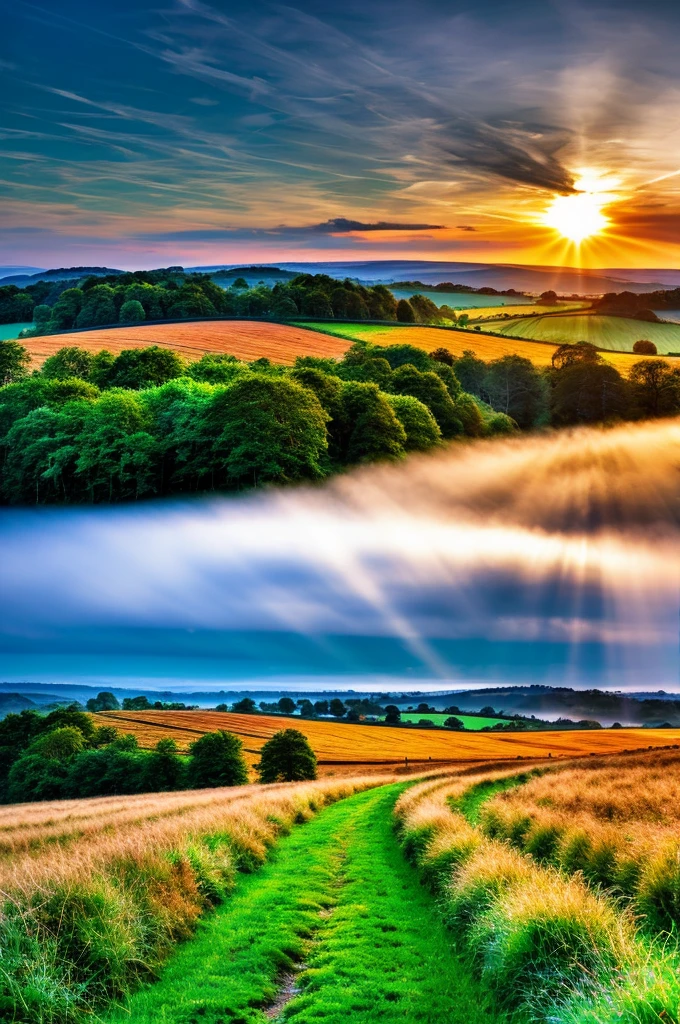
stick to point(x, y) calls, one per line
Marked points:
point(197, 132)
point(542, 560)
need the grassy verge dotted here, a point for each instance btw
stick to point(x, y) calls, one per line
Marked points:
point(83, 924)
point(544, 944)
point(339, 920)
point(471, 801)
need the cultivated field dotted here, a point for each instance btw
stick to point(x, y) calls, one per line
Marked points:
point(343, 747)
point(473, 722)
point(606, 332)
point(245, 339)
point(485, 346)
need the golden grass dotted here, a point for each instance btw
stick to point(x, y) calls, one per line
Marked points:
point(246, 340)
point(48, 844)
point(342, 746)
point(617, 824)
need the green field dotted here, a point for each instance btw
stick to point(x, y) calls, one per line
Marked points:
point(607, 332)
point(469, 721)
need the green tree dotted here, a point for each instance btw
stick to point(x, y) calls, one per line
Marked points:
point(287, 757)
point(643, 347)
point(65, 310)
point(655, 388)
point(245, 706)
point(34, 777)
point(471, 372)
point(442, 355)
point(453, 723)
point(140, 703)
point(68, 362)
point(337, 708)
point(514, 386)
point(131, 312)
point(144, 367)
point(588, 392)
point(216, 759)
point(267, 429)
point(104, 701)
point(367, 428)
point(321, 707)
point(163, 768)
point(306, 708)
point(405, 312)
point(99, 307)
point(286, 705)
point(41, 316)
point(216, 368)
point(429, 389)
point(425, 310)
point(117, 454)
point(392, 715)
point(58, 744)
point(420, 426)
point(14, 362)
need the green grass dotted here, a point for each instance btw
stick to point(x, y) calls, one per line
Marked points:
point(358, 331)
point(607, 332)
point(474, 798)
point(469, 721)
point(339, 894)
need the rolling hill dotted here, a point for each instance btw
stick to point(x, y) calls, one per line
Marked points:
point(606, 332)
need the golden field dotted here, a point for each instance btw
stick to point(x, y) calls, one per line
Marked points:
point(342, 746)
point(245, 339)
point(283, 343)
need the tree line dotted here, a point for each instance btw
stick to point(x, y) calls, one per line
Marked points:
point(65, 755)
point(174, 295)
point(99, 429)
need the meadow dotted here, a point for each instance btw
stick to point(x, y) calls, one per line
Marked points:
point(486, 346)
point(345, 747)
point(606, 332)
point(303, 902)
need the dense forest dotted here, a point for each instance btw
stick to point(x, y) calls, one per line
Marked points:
point(145, 423)
point(172, 294)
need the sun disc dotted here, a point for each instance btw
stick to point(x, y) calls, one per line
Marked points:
point(577, 216)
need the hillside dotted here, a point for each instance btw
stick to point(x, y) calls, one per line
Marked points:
point(345, 748)
point(606, 332)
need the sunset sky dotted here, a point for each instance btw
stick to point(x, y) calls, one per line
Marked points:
point(139, 134)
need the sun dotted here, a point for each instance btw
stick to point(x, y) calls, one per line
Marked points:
point(577, 216)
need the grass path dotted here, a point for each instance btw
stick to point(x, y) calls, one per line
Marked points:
point(338, 895)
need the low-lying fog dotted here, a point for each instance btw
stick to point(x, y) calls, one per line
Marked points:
point(549, 559)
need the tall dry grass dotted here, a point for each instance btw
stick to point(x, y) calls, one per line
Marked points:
point(547, 945)
point(96, 892)
point(616, 824)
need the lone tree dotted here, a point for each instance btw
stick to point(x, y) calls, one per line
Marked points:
point(453, 723)
point(287, 757)
point(644, 348)
point(286, 706)
point(392, 714)
point(216, 759)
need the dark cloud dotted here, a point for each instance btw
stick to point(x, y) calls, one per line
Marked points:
point(341, 225)
point(465, 227)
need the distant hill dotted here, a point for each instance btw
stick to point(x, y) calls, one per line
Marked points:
point(15, 702)
point(21, 271)
point(60, 274)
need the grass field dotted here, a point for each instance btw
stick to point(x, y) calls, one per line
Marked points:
point(337, 923)
point(343, 747)
point(606, 332)
point(473, 722)
point(244, 339)
point(548, 946)
point(618, 825)
point(485, 346)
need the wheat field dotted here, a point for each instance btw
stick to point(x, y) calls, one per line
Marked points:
point(245, 339)
point(342, 746)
